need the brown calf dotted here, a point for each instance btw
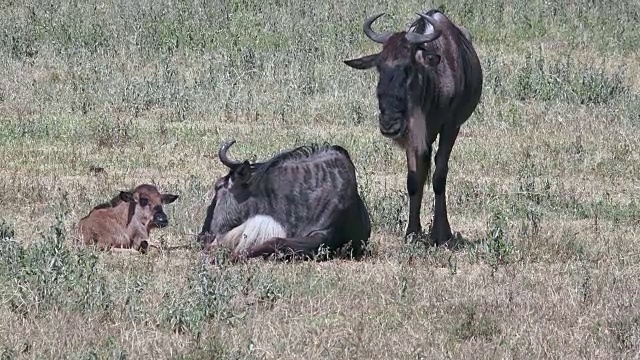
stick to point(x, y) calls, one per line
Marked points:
point(123, 224)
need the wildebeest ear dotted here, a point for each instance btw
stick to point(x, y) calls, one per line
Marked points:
point(427, 58)
point(465, 32)
point(169, 198)
point(363, 63)
point(126, 196)
point(242, 173)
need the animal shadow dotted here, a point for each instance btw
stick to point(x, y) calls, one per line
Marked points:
point(457, 242)
point(460, 242)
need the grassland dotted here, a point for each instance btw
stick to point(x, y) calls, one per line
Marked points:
point(543, 182)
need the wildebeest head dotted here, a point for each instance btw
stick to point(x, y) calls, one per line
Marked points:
point(400, 66)
point(229, 191)
point(239, 173)
point(145, 203)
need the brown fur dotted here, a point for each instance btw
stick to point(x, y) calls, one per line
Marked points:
point(124, 223)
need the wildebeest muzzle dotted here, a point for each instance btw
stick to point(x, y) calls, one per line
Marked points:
point(391, 125)
point(392, 106)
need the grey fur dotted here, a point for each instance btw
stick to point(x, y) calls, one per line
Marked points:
point(310, 190)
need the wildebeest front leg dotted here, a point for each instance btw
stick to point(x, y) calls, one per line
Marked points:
point(297, 246)
point(441, 230)
point(417, 172)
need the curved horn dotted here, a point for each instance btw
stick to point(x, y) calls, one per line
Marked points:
point(224, 158)
point(416, 38)
point(377, 37)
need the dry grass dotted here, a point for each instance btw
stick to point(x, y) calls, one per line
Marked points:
point(543, 182)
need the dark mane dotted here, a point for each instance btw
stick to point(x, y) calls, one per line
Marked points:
point(115, 201)
point(301, 152)
point(397, 46)
point(110, 204)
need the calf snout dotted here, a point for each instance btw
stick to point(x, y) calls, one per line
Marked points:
point(160, 219)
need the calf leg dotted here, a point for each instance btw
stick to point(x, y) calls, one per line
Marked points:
point(418, 170)
point(441, 230)
point(127, 251)
point(155, 245)
point(306, 245)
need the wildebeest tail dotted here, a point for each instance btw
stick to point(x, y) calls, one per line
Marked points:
point(259, 229)
point(254, 231)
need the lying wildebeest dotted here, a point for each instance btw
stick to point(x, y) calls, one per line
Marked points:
point(123, 224)
point(430, 82)
point(295, 203)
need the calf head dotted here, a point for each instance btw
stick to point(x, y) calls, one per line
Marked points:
point(145, 205)
point(400, 66)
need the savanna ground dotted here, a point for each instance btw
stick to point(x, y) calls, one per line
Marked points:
point(542, 185)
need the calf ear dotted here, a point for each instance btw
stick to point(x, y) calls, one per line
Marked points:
point(126, 196)
point(242, 173)
point(363, 63)
point(169, 198)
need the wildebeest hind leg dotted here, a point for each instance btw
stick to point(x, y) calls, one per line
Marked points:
point(298, 246)
point(441, 230)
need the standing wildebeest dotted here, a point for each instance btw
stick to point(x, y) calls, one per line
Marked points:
point(295, 202)
point(123, 224)
point(430, 82)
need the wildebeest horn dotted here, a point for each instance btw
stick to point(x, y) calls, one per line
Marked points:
point(416, 38)
point(377, 37)
point(224, 158)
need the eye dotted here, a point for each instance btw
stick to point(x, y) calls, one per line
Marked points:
point(143, 201)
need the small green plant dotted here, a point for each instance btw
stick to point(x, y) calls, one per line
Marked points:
point(388, 211)
point(625, 333)
point(453, 264)
point(499, 248)
point(7, 232)
point(48, 275)
point(419, 248)
point(475, 326)
point(8, 354)
point(268, 288)
point(109, 133)
point(207, 296)
point(567, 81)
